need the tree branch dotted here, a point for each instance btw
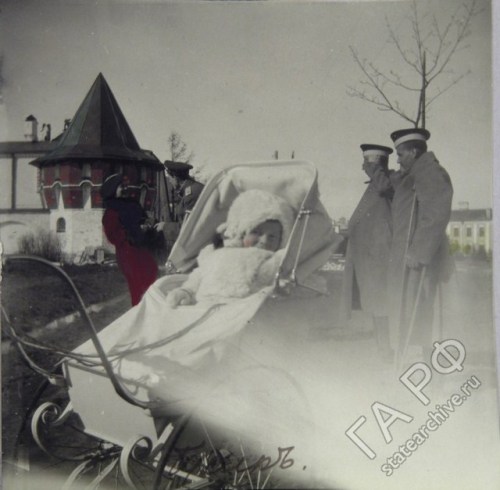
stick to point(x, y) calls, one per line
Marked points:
point(437, 44)
point(453, 45)
point(442, 91)
point(381, 105)
point(406, 58)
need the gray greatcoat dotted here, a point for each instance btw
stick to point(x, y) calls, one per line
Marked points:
point(421, 209)
point(367, 255)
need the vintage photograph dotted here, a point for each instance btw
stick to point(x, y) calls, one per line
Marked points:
point(248, 244)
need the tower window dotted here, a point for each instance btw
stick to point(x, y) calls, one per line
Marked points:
point(61, 225)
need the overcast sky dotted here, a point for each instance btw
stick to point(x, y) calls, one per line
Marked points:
point(239, 80)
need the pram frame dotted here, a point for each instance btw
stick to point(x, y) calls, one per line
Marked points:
point(147, 450)
point(289, 275)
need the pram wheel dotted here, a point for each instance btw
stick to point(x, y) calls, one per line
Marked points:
point(246, 445)
point(202, 457)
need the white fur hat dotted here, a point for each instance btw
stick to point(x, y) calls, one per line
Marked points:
point(250, 209)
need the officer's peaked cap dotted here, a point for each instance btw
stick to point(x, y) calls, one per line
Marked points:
point(177, 168)
point(412, 134)
point(375, 150)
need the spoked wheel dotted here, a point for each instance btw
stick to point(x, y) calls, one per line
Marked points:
point(204, 457)
point(192, 458)
point(237, 438)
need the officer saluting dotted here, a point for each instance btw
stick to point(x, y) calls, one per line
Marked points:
point(186, 189)
point(368, 246)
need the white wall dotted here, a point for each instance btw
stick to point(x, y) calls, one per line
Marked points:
point(27, 181)
point(27, 195)
point(14, 225)
point(5, 183)
point(83, 229)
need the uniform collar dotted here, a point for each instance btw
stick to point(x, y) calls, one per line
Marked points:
point(426, 157)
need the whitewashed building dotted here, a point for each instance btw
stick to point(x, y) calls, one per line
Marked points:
point(64, 179)
point(471, 230)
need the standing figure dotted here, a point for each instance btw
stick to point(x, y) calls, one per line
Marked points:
point(123, 225)
point(186, 191)
point(369, 239)
point(419, 257)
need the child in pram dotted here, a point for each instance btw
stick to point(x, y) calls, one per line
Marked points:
point(229, 359)
point(225, 287)
point(245, 256)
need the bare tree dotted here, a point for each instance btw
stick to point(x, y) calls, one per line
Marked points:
point(426, 56)
point(179, 149)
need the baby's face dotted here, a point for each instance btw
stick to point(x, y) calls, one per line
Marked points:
point(267, 236)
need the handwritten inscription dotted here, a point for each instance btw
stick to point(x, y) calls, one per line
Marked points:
point(209, 461)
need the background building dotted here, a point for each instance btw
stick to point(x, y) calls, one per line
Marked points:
point(66, 177)
point(470, 230)
point(21, 206)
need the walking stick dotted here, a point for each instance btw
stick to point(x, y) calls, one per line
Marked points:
point(413, 316)
point(405, 281)
point(441, 320)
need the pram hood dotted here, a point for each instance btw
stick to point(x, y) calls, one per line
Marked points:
point(181, 356)
point(312, 239)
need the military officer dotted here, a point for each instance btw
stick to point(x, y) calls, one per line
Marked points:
point(419, 256)
point(369, 239)
point(186, 189)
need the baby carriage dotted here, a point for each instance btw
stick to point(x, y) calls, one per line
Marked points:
point(206, 395)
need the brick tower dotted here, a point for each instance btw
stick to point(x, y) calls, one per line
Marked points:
point(96, 143)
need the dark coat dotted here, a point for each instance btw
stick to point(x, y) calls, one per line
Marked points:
point(186, 198)
point(367, 255)
point(421, 209)
point(122, 228)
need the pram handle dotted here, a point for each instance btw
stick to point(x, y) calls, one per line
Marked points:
point(119, 388)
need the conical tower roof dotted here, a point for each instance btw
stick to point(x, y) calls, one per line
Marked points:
point(99, 131)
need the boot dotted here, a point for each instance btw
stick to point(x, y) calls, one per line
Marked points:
point(381, 327)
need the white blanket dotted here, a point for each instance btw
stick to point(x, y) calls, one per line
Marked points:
point(197, 359)
point(149, 339)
